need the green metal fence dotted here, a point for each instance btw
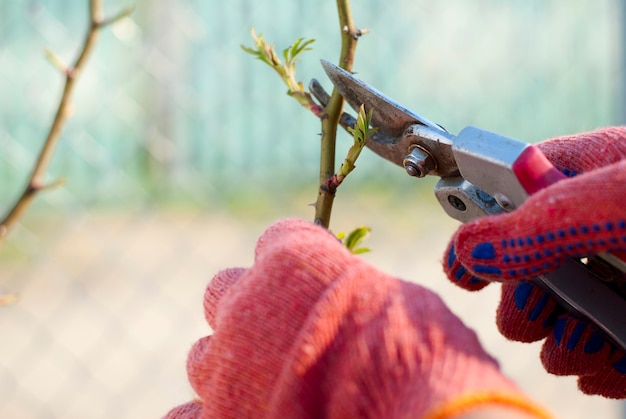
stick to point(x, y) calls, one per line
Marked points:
point(170, 101)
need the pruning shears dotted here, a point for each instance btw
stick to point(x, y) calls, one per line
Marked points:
point(481, 174)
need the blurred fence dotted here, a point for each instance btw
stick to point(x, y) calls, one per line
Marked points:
point(170, 104)
point(170, 113)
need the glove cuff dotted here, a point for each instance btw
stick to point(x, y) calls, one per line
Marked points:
point(468, 402)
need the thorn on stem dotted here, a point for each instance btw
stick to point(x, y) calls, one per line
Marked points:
point(97, 24)
point(58, 63)
point(36, 186)
point(56, 184)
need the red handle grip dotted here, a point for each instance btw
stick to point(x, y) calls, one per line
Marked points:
point(534, 171)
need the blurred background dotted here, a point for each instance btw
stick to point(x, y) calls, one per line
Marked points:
point(182, 149)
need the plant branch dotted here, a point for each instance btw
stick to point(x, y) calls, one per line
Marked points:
point(330, 110)
point(36, 180)
point(287, 70)
point(349, 37)
point(361, 133)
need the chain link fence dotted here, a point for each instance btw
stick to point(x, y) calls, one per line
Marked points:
point(181, 148)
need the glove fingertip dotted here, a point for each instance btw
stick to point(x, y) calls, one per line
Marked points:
point(191, 410)
point(458, 274)
point(478, 247)
point(525, 313)
point(198, 370)
point(609, 382)
point(216, 289)
point(575, 348)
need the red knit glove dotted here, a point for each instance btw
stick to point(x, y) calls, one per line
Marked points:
point(576, 217)
point(313, 331)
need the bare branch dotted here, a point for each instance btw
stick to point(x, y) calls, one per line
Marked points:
point(35, 183)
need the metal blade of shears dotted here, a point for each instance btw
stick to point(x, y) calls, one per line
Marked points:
point(389, 116)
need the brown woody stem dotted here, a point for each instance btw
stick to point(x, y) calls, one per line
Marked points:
point(349, 37)
point(35, 182)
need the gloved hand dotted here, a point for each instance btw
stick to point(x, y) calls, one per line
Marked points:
point(313, 331)
point(575, 217)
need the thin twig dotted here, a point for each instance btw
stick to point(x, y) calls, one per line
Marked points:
point(349, 37)
point(286, 70)
point(36, 180)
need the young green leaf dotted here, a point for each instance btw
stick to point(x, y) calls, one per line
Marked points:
point(361, 133)
point(265, 52)
point(353, 240)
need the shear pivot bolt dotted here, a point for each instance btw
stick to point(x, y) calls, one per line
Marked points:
point(418, 162)
point(457, 203)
